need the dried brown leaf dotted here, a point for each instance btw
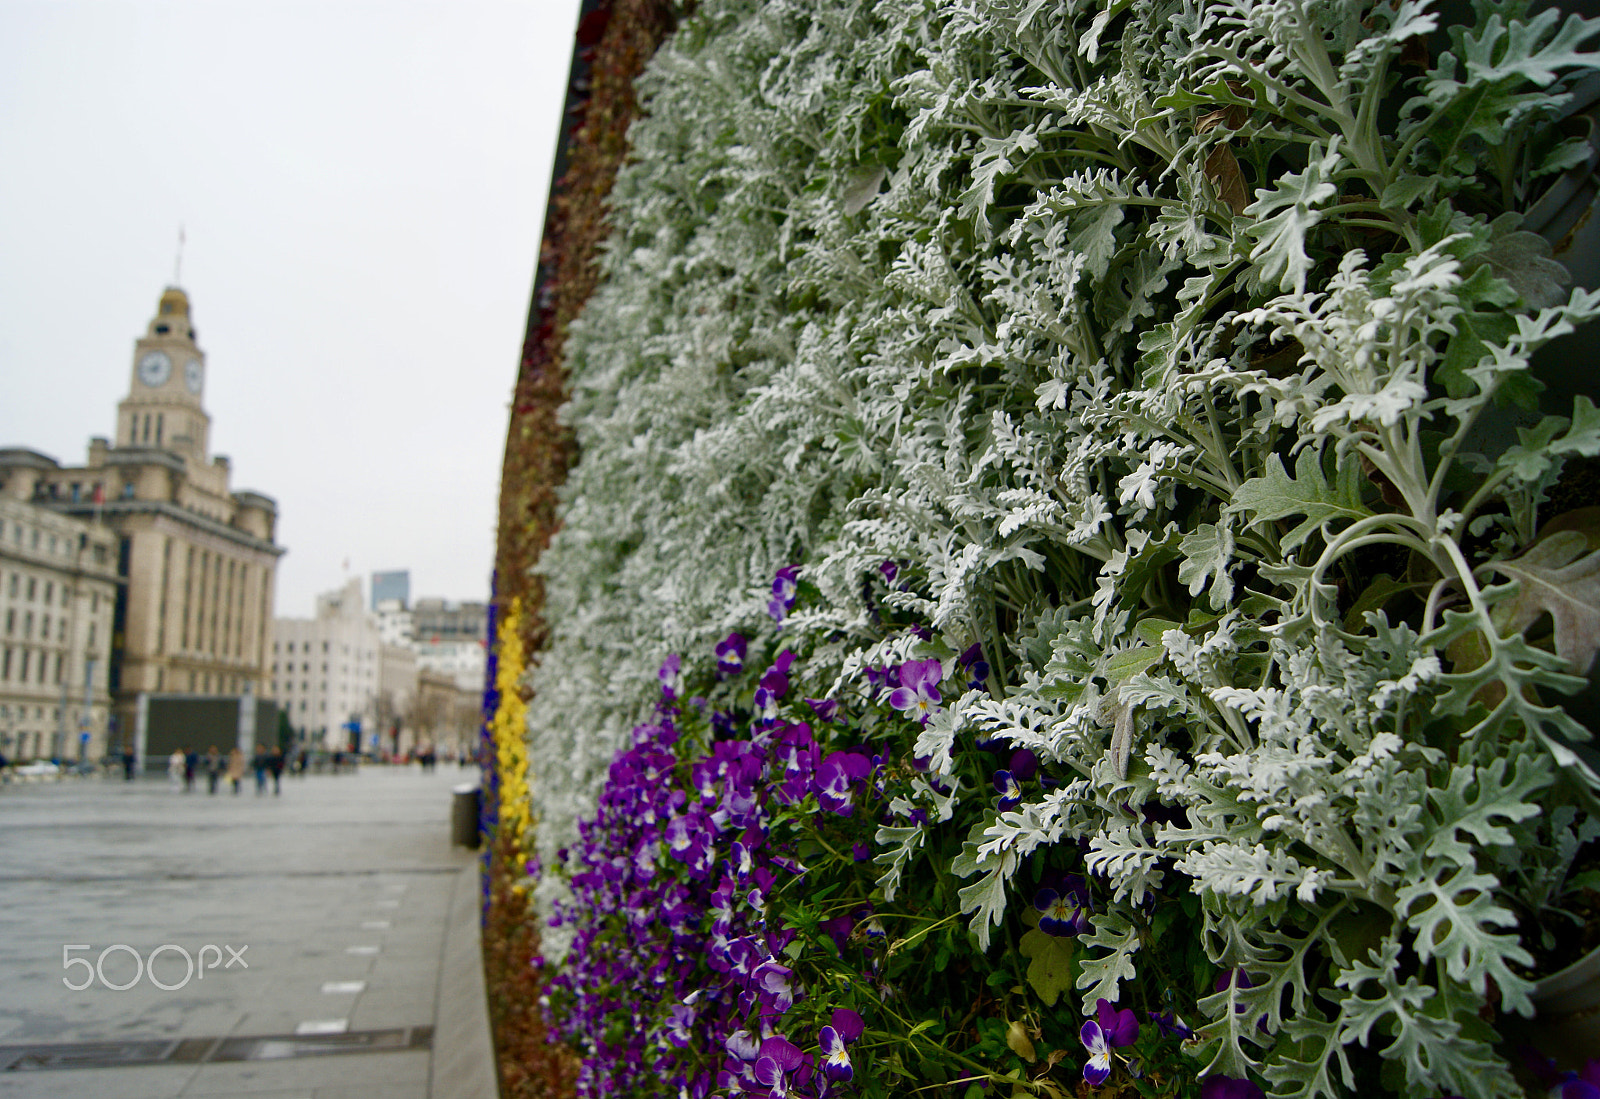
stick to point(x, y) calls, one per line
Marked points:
point(1559, 579)
point(1222, 168)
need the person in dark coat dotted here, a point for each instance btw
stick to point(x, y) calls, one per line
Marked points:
point(191, 764)
point(258, 764)
point(275, 765)
point(215, 765)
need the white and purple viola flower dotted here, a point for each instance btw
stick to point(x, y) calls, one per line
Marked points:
point(784, 586)
point(1010, 791)
point(781, 1064)
point(1109, 1030)
point(731, 651)
point(835, 778)
point(671, 676)
point(1064, 907)
point(917, 695)
point(845, 1027)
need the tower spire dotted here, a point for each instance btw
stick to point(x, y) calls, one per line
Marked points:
point(177, 264)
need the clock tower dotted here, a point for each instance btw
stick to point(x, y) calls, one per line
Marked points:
point(195, 558)
point(163, 408)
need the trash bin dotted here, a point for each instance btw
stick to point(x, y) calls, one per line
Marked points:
point(464, 808)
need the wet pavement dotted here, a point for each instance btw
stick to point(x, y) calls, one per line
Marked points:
point(318, 943)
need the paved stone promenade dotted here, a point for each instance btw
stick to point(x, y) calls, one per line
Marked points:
point(332, 930)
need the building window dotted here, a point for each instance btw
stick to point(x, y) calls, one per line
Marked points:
point(91, 637)
point(5, 666)
point(33, 589)
point(49, 589)
point(44, 627)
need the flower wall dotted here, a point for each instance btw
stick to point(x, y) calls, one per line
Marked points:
point(1069, 580)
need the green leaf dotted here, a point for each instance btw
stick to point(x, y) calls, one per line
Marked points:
point(1476, 331)
point(1428, 1039)
point(1457, 809)
point(1101, 976)
point(1511, 51)
point(1523, 260)
point(1406, 190)
point(1372, 598)
point(1123, 665)
point(1457, 920)
point(1285, 214)
point(1050, 971)
point(1276, 495)
point(1207, 554)
point(1151, 629)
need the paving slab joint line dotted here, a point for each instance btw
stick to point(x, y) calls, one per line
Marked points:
point(462, 1059)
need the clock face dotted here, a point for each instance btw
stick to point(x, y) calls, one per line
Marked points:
point(155, 368)
point(193, 375)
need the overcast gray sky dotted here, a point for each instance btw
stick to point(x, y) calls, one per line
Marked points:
point(362, 187)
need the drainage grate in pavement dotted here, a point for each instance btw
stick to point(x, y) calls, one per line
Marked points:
point(194, 1051)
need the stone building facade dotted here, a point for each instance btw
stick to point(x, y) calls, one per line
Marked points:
point(58, 594)
point(197, 557)
point(326, 672)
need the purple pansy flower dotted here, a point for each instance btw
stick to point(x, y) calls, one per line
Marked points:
point(772, 979)
point(845, 1027)
point(780, 1061)
point(1064, 911)
point(731, 651)
point(1024, 764)
point(977, 667)
point(783, 590)
point(834, 779)
point(890, 570)
point(1111, 1030)
point(1229, 1087)
point(1584, 1084)
point(670, 676)
point(826, 709)
point(917, 696)
point(1005, 784)
point(1168, 1022)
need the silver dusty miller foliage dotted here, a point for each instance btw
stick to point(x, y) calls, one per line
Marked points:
point(1156, 342)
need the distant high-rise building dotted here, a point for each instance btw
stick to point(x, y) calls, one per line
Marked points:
point(196, 557)
point(391, 585)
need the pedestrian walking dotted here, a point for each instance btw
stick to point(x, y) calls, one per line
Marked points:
point(214, 766)
point(258, 764)
point(235, 767)
point(175, 767)
point(191, 765)
point(275, 762)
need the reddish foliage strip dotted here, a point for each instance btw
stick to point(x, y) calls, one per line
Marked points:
point(614, 41)
point(600, 106)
